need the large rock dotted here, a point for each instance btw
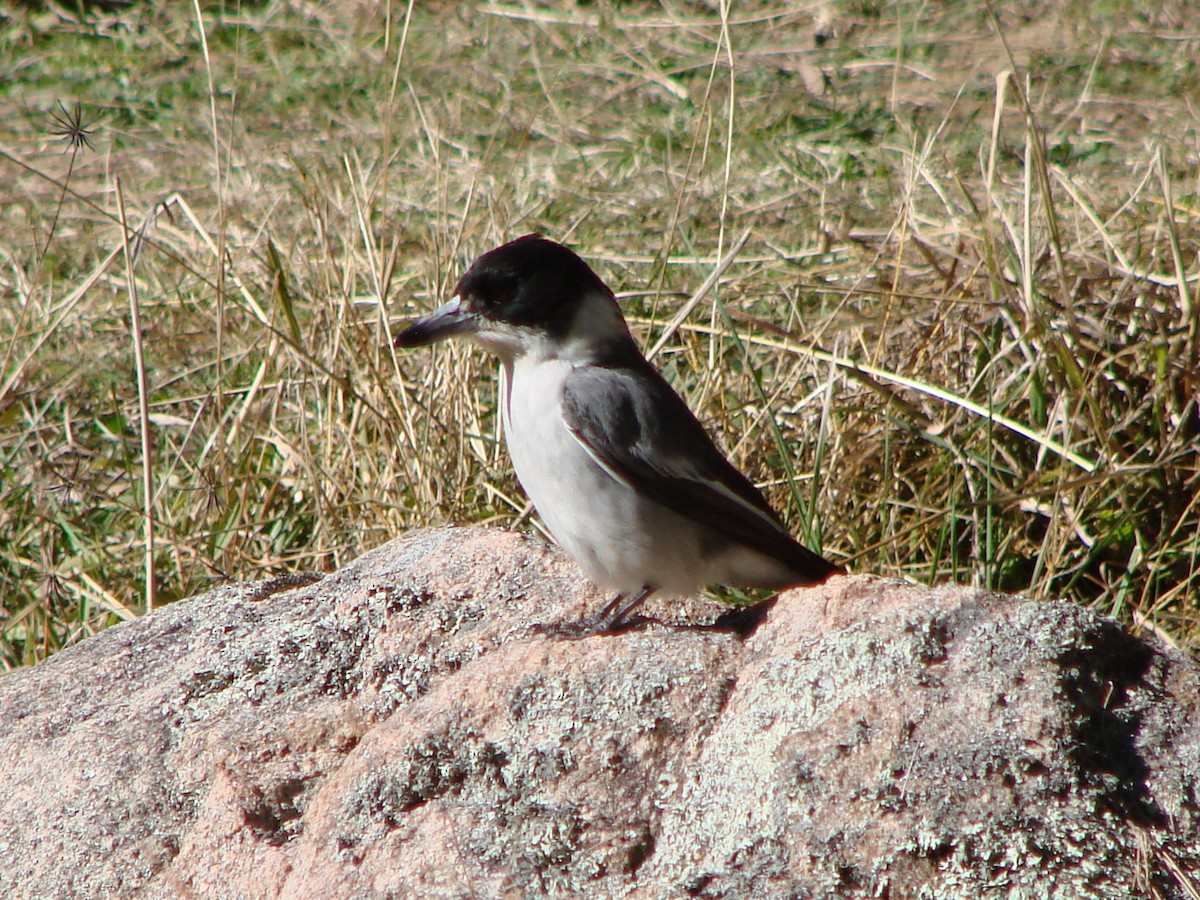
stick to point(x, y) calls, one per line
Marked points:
point(402, 729)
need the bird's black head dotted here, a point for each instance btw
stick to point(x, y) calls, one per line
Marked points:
point(526, 289)
point(532, 282)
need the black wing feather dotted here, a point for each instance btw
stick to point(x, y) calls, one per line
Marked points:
point(639, 429)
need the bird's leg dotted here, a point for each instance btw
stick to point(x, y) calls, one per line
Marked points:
point(622, 605)
point(612, 619)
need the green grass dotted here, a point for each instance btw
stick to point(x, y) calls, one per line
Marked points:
point(956, 344)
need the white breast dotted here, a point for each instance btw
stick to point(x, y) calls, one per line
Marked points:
point(619, 539)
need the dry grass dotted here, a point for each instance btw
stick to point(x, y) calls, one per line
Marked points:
point(959, 342)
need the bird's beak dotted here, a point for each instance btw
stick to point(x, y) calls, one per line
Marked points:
point(446, 321)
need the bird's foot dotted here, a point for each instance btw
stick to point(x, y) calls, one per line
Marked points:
point(616, 618)
point(742, 621)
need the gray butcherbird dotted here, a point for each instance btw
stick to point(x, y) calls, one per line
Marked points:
point(622, 473)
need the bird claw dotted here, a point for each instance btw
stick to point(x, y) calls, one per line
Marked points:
point(742, 621)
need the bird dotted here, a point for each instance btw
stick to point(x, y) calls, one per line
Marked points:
point(621, 471)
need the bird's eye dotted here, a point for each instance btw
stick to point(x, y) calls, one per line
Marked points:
point(494, 292)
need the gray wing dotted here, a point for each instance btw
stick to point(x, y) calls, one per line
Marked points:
point(639, 430)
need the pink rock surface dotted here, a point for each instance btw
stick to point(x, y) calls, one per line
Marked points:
point(400, 729)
